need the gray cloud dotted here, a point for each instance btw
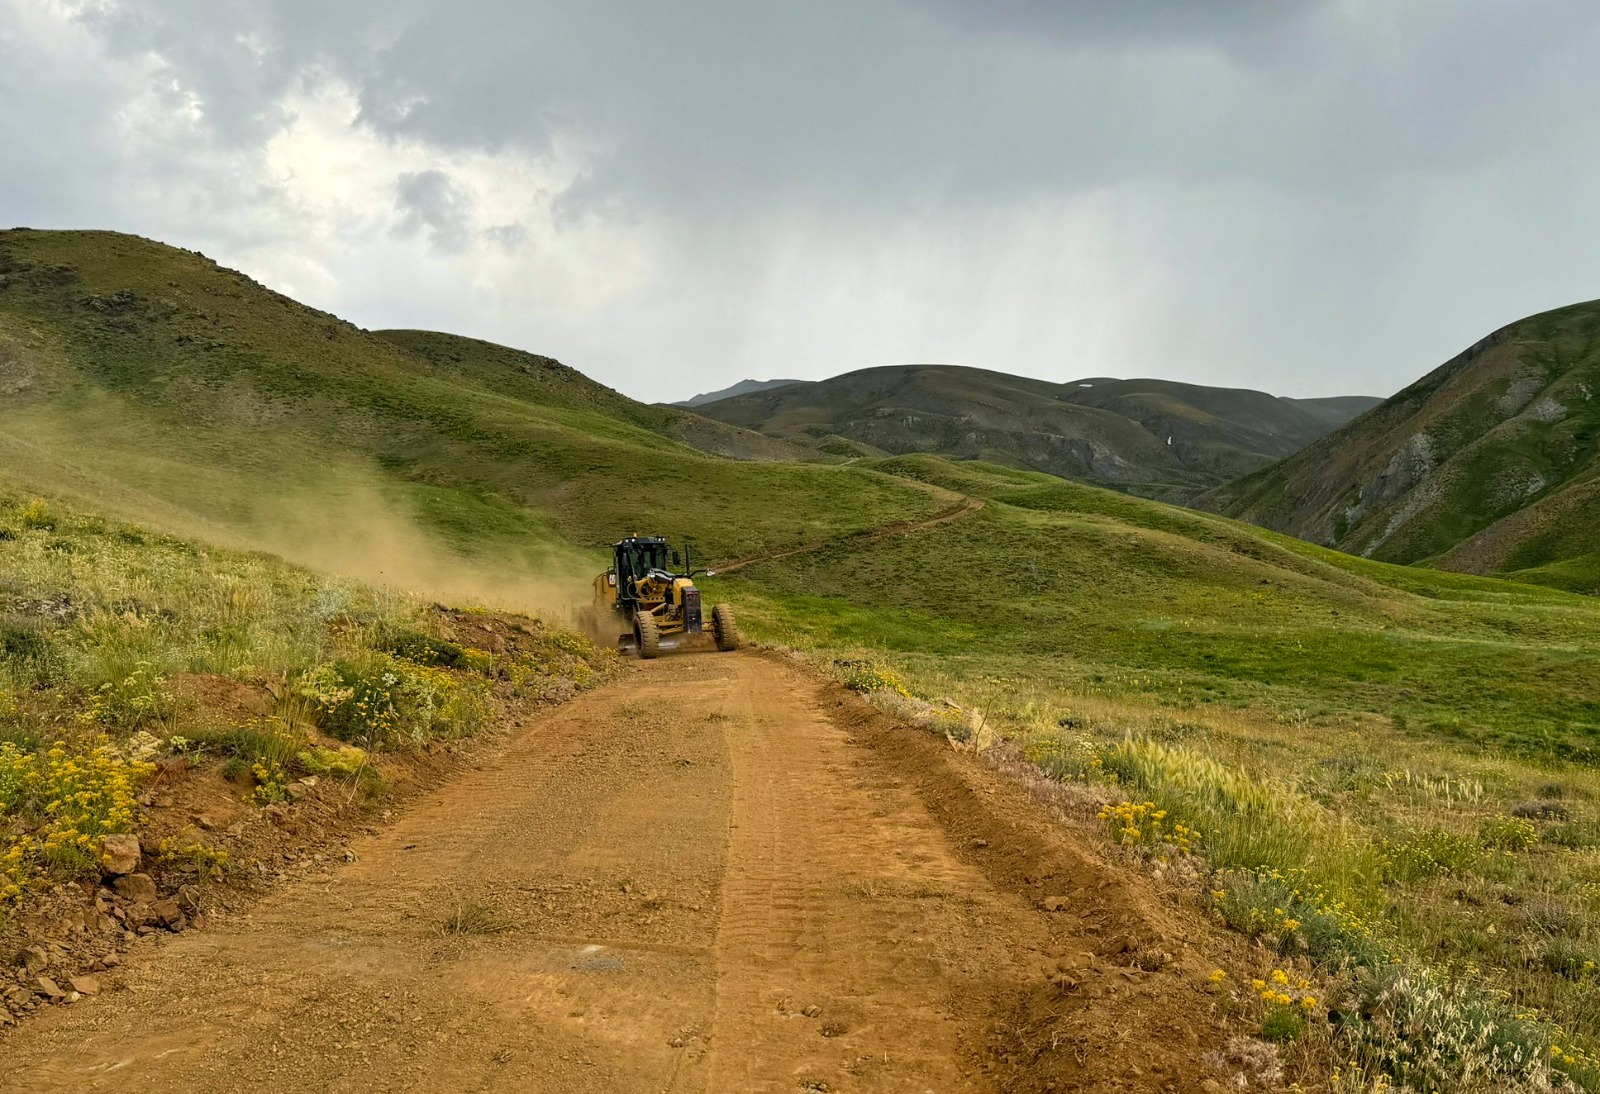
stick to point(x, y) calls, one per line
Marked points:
point(1308, 196)
point(1089, 21)
point(429, 201)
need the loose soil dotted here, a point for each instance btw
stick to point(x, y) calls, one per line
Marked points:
point(716, 874)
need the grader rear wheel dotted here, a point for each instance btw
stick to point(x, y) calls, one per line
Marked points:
point(724, 629)
point(648, 633)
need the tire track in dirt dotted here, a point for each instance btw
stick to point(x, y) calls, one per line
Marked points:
point(717, 874)
point(841, 957)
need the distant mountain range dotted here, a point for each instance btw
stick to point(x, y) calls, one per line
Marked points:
point(1489, 464)
point(1152, 436)
point(152, 381)
point(743, 387)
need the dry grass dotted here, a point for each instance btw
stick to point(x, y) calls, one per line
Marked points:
point(465, 915)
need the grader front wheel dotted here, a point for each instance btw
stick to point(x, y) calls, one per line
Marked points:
point(648, 633)
point(724, 629)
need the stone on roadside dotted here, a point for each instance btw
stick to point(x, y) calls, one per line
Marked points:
point(35, 958)
point(169, 915)
point(84, 985)
point(119, 854)
point(44, 985)
point(136, 888)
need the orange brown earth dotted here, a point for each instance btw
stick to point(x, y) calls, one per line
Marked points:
point(717, 874)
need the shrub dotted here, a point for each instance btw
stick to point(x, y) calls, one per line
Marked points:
point(1574, 834)
point(26, 649)
point(1283, 1023)
point(20, 869)
point(133, 699)
point(1247, 823)
point(419, 648)
point(866, 676)
point(1567, 958)
point(1431, 1034)
point(15, 768)
point(1300, 915)
point(539, 666)
point(1288, 1005)
point(383, 702)
point(1066, 757)
point(577, 645)
point(1142, 824)
point(37, 515)
point(75, 797)
point(1508, 833)
point(1429, 854)
point(332, 761)
point(197, 858)
point(272, 782)
point(254, 740)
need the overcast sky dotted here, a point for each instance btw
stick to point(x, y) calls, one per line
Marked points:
point(1312, 197)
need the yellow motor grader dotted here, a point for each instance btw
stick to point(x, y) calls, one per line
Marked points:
point(647, 601)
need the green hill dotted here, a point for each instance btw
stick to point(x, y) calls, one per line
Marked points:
point(157, 385)
point(1150, 436)
point(1418, 749)
point(1059, 579)
point(1489, 464)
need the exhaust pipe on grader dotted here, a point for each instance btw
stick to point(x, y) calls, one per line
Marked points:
point(648, 602)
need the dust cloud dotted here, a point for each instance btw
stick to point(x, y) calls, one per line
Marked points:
point(352, 527)
point(333, 513)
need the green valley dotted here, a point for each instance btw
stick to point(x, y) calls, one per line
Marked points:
point(1387, 776)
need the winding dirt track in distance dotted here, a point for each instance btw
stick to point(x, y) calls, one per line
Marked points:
point(716, 874)
point(964, 508)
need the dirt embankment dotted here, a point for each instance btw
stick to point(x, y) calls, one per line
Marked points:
point(716, 875)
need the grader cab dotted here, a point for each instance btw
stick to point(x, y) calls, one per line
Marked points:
point(648, 600)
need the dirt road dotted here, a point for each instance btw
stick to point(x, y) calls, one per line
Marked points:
point(715, 875)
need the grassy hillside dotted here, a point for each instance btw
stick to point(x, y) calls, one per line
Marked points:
point(1388, 775)
point(544, 381)
point(168, 688)
point(1392, 771)
point(1108, 589)
point(155, 384)
point(1489, 464)
point(1152, 436)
